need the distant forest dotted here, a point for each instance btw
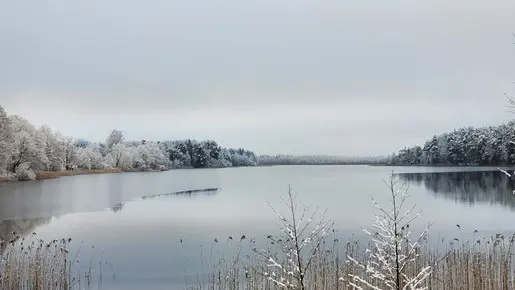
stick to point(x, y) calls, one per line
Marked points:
point(493, 145)
point(26, 150)
point(317, 160)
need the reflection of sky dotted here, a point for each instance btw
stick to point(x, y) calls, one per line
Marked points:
point(142, 239)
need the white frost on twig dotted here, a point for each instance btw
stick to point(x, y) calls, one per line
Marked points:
point(505, 172)
point(303, 233)
point(386, 265)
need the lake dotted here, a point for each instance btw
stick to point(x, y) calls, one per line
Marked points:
point(109, 219)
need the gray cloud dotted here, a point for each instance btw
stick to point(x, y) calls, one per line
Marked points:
point(337, 77)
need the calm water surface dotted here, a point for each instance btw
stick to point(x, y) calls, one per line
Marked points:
point(141, 237)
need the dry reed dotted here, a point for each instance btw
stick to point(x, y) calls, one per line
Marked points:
point(390, 260)
point(31, 263)
point(486, 263)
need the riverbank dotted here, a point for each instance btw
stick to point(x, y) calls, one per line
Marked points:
point(51, 174)
point(56, 174)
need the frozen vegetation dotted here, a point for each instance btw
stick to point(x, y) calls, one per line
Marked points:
point(466, 146)
point(306, 253)
point(26, 150)
point(303, 253)
point(317, 160)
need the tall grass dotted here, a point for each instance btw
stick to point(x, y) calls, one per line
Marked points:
point(34, 264)
point(306, 256)
point(306, 253)
point(31, 263)
point(486, 263)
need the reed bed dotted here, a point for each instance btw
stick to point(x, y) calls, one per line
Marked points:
point(486, 263)
point(305, 255)
point(34, 264)
point(31, 263)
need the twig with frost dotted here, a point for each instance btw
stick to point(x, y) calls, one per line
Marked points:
point(390, 264)
point(302, 233)
point(504, 171)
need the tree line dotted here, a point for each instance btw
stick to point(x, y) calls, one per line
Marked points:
point(491, 145)
point(26, 150)
point(283, 159)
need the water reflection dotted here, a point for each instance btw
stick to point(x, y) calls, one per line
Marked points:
point(189, 193)
point(484, 187)
point(117, 207)
point(88, 193)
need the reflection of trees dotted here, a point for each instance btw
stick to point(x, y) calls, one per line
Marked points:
point(188, 193)
point(117, 207)
point(492, 187)
point(21, 227)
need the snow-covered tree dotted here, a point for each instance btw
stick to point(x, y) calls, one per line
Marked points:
point(24, 172)
point(465, 146)
point(151, 156)
point(431, 151)
point(53, 149)
point(302, 234)
point(6, 141)
point(282, 159)
point(69, 149)
point(95, 158)
point(27, 146)
point(114, 138)
point(191, 153)
point(121, 156)
point(177, 154)
point(241, 157)
point(26, 150)
point(83, 158)
point(392, 263)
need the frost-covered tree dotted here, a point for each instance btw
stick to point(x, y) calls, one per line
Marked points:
point(302, 234)
point(206, 154)
point(27, 148)
point(70, 153)
point(431, 151)
point(54, 150)
point(24, 172)
point(121, 156)
point(223, 160)
point(177, 154)
point(151, 155)
point(94, 157)
point(282, 159)
point(466, 146)
point(392, 263)
point(6, 141)
point(241, 157)
point(82, 143)
point(83, 158)
point(114, 138)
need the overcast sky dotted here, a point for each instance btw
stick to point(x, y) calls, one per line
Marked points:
point(330, 77)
